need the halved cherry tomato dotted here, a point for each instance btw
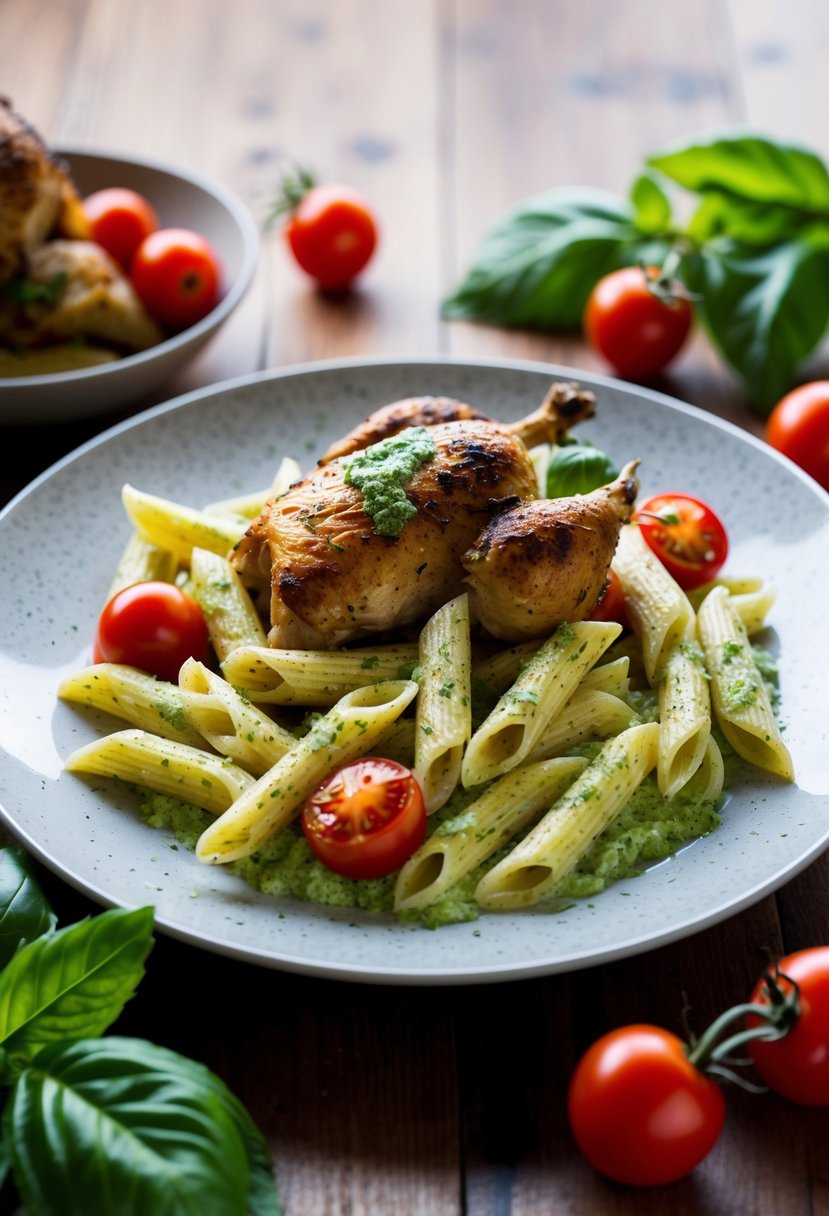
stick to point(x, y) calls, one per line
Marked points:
point(332, 233)
point(798, 426)
point(640, 1111)
point(152, 625)
point(366, 818)
point(632, 325)
point(611, 605)
point(797, 1065)
point(177, 275)
point(686, 535)
point(119, 220)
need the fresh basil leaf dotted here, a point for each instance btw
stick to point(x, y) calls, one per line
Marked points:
point(651, 205)
point(148, 1129)
point(752, 167)
point(21, 290)
point(765, 309)
point(747, 223)
point(538, 264)
point(578, 468)
point(24, 909)
point(73, 983)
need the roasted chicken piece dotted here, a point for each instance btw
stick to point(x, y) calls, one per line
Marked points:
point(539, 563)
point(83, 292)
point(35, 192)
point(331, 578)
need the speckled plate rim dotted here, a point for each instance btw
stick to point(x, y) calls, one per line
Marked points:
point(770, 880)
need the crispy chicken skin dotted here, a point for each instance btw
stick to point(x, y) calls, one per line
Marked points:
point(539, 563)
point(393, 418)
point(331, 578)
point(35, 191)
point(97, 301)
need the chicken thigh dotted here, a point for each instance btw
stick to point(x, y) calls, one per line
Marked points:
point(331, 578)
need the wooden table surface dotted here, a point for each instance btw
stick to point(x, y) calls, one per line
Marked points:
point(402, 1102)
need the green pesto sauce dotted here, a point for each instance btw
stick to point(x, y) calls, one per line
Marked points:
point(381, 472)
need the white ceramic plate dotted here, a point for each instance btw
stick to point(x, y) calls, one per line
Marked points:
point(183, 199)
point(59, 542)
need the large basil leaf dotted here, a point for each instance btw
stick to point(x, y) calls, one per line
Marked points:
point(577, 468)
point(24, 910)
point(120, 1125)
point(73, 983)
point(745, 222)
point(751, 167)
point(651, 205)
point(538, 264)
point(766, 310)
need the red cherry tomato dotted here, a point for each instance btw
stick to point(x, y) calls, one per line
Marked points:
point(639, 1110)
point(797, 1066)
point(119, 220)
point(686, 535)
point(611, 605)
point(154, 626)
point(177, 275)
point(366, 819)
point(332, 233)
point(798, 426)
point(631, 327)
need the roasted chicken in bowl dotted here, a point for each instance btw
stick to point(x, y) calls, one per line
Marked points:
point(331, 573)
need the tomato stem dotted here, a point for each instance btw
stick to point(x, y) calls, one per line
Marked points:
point(711, 1052)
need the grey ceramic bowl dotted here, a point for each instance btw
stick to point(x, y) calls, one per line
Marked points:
point(182, 199)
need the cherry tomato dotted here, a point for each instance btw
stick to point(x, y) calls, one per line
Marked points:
point(611, 605)
point(631, 326)
point(152, 625)
point(797, 1066)
point(119, 220)
point(639, 1110)
point(366, 818)
point(798, 426)
point(177, 275)
point(332, 233)
point(686, 535)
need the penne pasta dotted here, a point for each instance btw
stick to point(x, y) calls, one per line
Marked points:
point(752, 599)
point(496, 673)
point(555, 844)
point(142, 562)
point(313, 677)
point(229, 724)
point(459, 845)
point(659, 610)
point(211, 782)
point(589, 714)
point(178, 528)
point(444, 703)
point(706, 785)
point(684, 717)
point(151, 705)
point(738, 693)
point(231, 618)
point(350, 729)
point(512, 730)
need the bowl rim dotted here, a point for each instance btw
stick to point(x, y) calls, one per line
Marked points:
point(248, 231)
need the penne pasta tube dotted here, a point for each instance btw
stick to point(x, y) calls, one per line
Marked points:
point(444, 703)
point(175, 769)
point(512, 730)
point(751, 598)
point(497, 672)
point(231, 618)
point(659, 610)
point(684, 717)
point(229, 724)
point(589, 714)
point(350, 729)
point(251, 505)
point(461, 844)
point(142, 562)
point(609, 677)
point(562, 837)
point(706, 785)
point(140, 699)
point(398, 742)
point(738, 693)
point(313, 677)
point(178, 528)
